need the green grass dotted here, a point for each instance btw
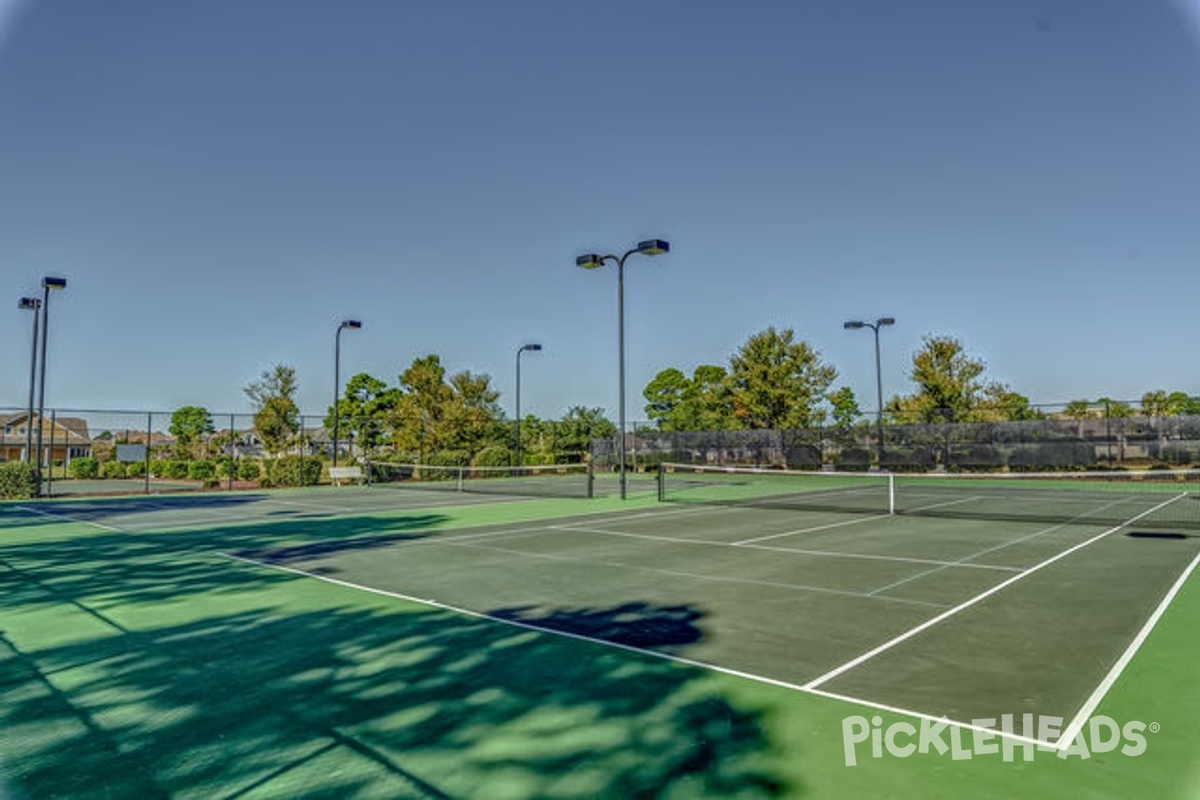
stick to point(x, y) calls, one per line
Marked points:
point(143, 664)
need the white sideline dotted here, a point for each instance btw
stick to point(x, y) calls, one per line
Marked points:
point(888, 645)
point(1085, 711)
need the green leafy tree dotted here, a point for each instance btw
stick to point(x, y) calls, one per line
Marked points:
point(190, 425)
point(276, 417)
point(365, 410)
point(845, 408)
point(1182, 403)
point(1079, 410)
point(475, 418)
point(951, 388)
point(678, 403)
point(575, 431)
point(777, 382)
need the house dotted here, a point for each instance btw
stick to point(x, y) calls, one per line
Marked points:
point(63, 438)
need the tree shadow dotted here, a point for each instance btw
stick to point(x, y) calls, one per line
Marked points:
point(135, 664)
point(632, 624)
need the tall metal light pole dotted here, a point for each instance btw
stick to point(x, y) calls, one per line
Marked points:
point(337, 378)
point(48, 283)
point(31, 304)
point(650, 247)
point(521, 349)
point(875, 326)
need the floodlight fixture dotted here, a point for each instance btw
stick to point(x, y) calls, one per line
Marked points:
point(48, 282)
point(647, 247)
point(881, 322)
point(31, 304)
point(653, 247)
point(352, 324)
point(531, 347)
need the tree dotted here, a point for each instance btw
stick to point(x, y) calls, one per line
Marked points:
point(189, 425)
point(777, 382)
point(950, 388)
point(679, 403)
point(577, 428)
point(1079, 410)
point(365, 409)
point(276, 417)
point(845, 407)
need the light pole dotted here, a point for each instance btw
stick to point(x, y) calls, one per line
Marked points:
point(875, 326)
point(521, 349)
point(31, 304)
point(650, 247)
point(48, 283)
point(337, 379)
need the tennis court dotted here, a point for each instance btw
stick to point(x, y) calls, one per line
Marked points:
point(965, 599)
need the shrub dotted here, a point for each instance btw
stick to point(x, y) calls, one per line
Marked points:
point(135, 469)
point(803, 456)
point(494, 456)
point(293, 471)
point(226, 466)
point(202, 470)
point(853, 459)
point(975, 458)
point(84, 468)
point(905, 459)
point(176, 470)
point(18, 480)
point(158, 467)
point(1052, 455)
point(113, 469)
point(249, 470)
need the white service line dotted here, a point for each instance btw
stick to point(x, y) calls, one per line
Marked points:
point(1089, 705)
point(994, 548)
point(699, 576)
point(792, 550)
point(888, 645)
point(852, 521)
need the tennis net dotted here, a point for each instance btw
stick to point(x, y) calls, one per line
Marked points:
point(552, 480)
point(1154, 499)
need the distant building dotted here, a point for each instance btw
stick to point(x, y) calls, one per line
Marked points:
point(63, 438)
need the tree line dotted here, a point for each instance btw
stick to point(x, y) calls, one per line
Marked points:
point(774, 381)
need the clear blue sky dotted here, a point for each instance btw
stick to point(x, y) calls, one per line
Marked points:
point(222, 182)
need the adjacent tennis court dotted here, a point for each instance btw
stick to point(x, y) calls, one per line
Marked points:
point(955, 598)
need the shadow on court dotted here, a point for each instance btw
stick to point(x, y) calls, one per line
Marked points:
point(633, 624)
point(135, 664)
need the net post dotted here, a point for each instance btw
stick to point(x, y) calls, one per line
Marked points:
point(591, 481)
point(659, 478)
point(891, 479)
point(459, 471)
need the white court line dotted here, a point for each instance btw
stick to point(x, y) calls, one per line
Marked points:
point(1085, 711)
point(888, 645)
point(993, 549)
point(843, 523)
point(70, 519)
point(851, 522)
point(793, 550)
point(689, 662)
point(803, 587)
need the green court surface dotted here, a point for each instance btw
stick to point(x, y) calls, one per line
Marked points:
point(383, 642)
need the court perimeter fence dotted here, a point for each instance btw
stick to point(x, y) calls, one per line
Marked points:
point(117, 460)
point(1054, 443)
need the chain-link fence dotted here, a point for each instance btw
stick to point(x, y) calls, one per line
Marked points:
point(1096, 441)
point(91, 451)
